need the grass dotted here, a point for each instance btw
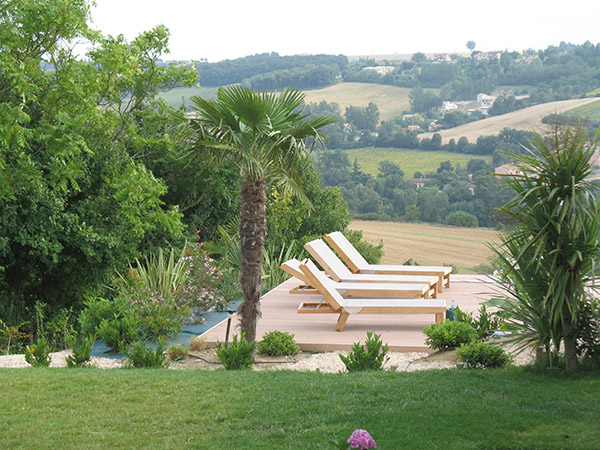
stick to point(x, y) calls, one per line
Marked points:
point(428, 244)
point(392, 101)
point(179, 95)
point(92, 408)
point(409, 160)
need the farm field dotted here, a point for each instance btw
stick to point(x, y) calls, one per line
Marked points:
point(409, 160)
point(589, 111)
point(178, 95)
point(464, 248)
point(392, 101)
point(523, 119)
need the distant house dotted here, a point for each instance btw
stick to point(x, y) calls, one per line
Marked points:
point(441, 57)
point(449, 106)
point(414, 128)
point(507, 169)
point(382, 70)
point(420, 182)
point(485, 100)
point(488, 56)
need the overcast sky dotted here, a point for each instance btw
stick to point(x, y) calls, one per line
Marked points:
point(227, 29)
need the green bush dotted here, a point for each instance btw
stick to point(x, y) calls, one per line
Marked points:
point(461, 219)
point(449, 334)
point(485, 324)
point(371, 356)
point(177, 352)
point(481, 355)
point(141, 355)
point(277, 343)
point(238, 355)
point(81, 354)
point(588, 327)
point(123, 328)
point(38, 355)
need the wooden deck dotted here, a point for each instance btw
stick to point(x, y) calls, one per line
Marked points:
point(316, 332)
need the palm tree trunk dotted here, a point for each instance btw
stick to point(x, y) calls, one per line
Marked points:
point(569, 333)
point(252, 231)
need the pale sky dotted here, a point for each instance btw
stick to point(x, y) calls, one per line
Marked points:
point(228, 29)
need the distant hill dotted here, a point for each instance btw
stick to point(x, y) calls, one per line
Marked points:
point(523, 119)
point(392, 101)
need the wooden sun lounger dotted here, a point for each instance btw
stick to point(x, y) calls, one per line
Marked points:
point(338, 271)
point(334, 303)
point(358, 264)
point(356, 289)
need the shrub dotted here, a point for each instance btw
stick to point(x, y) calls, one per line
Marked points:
point(461, 219)
point(371, 356)
point(141, 355)
point(121, 329)
point(238, 355)
point(449, 334)
point(12, 335)
point(486, 323)
point(277, 343)
point(96, 309)
point(177, 352)
point(38, 355)
point(197, 344)
point(81, 354)
point(481, 355)
point(588, 327)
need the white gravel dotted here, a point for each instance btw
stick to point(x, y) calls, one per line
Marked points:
point(329, 362)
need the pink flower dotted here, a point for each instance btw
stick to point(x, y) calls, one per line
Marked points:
point(362, 440)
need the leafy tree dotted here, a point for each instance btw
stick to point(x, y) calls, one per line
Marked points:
point(471, 45)
point(418, 57)
point(74, 203)
point(548, 257)
point(263, 135)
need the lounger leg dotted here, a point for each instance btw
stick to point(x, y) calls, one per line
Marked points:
point(342, 321)
point(439, 317)
point(440, 284)
point(448, 281)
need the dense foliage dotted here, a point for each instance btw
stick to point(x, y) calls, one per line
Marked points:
point(271, 71)
point(74, 202)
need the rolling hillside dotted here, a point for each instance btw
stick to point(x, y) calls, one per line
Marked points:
point(524, 119)
point(391, 101)
point(409, 160)
point(429, 244)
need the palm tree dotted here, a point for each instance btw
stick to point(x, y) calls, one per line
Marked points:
point(264, 135)
point(548, 257)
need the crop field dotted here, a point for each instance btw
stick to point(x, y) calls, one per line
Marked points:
point(392, 101)
point(464, 248)
point(523, 119)
point(409, 160)
point(589, 111)
point(175, 97)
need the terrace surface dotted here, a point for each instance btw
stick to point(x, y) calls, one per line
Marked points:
point(316, 332)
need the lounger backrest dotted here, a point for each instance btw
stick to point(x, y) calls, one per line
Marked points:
point(293, 268)
point(323, 284)
point(347, 251)
point(328, 260)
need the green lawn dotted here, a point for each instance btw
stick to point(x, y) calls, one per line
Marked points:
point(92, 408)
point(409, 160)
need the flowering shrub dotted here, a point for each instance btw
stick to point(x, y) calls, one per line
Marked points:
point(205, 286)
